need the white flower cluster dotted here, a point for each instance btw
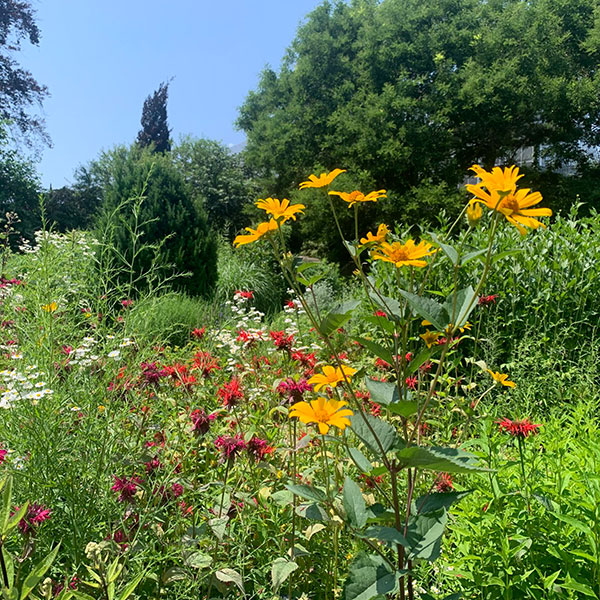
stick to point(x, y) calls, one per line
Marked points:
point(22, 386)
point(83, 242)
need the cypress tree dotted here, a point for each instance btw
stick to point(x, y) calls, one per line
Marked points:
point(155, 129)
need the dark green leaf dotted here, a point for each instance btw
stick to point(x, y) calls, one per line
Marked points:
point(386, 534)
point(382, 392)
point(448, 460)
point(427, 308)
point(424, 535)
point(434, 501)
point(384, 432)
point(307, 492)
point(312, 511)
point(36, 574)
point(369, 577)
point(360, 460)
point(354, 504)
point(448, 250)
point(376, 349)
point(337, 317)
point(281, 569)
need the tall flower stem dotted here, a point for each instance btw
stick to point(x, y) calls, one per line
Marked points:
point(523, 475)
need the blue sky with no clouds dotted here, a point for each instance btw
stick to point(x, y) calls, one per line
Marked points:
point(101, 59)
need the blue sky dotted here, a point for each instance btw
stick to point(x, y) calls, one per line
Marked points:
point(101, 59)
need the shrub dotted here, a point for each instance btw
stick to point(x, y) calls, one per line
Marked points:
point(149, 222)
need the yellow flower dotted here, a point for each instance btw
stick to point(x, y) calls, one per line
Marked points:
point(322, 180)
point(403, 254)
point(255, 234)
point(501, 194)
point(50, 307)
point(474, 212)
point(380, 236)
point(355, 197)
point(280, 209)
point(323, 412)
point(430, 337)
point(331, 376)
point(502, 378)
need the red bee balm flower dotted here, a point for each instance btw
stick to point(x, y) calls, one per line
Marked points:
point(36, 515)
point(230, 393)
point(521, 429)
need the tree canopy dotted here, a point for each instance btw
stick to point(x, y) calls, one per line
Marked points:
point(19, 91)
point(406, 90)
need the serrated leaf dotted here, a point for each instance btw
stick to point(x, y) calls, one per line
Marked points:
point(424, 535)
point(306, 491)
point(354, 504)
point(427, 308)
point(448, 460)
point(386, 434)
point(370, 577)
point(360, 460)
point(281, 569)
point(391, 306)
point(337, 317)
point(382, 392)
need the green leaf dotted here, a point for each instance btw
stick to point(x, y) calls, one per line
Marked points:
point(113, 571)
point(504, 254)
point(282, 497)
point(380, 322)
point(198, 560)
point(369, 577)
point(448, 460)
point(281, 569)
point(312, 511)
point(386, 534)
point(354, 504)
point(16, 518)
point(337, 317)
point(424, 534)
point(386, 434)
point(218, 526)
point(230, 576)
point(418, 360)
point(360, 460)
point(307, 492)
point(130, 587)
point(436, 500)
point(36, 574)
point(466, 304)
point(390, 306)
point(376, 349)
point(6, 504)
point(469, 256)
point(427, 308)
point(448, 250)
point(382, 392)
point(579, 587)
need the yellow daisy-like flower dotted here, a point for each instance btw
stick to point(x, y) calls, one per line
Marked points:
point(50, 307)
point(430, 337)
point(325, 413)
point(355, 197)
point(501, 194)
point(380, 236)
point(322, 180)
point(502, 378)
point(255, 234)
point(474, 212)
point(404, 254)
point(331, 376)
point(280, 209)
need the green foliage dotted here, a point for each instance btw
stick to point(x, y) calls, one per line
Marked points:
point(146, 202)
point(408, 91)
point(155, 129)
point(169, 319)
point(218, 180)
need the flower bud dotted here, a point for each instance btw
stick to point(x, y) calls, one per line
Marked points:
point(474, 213)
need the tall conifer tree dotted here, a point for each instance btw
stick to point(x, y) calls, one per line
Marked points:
point(155, 129)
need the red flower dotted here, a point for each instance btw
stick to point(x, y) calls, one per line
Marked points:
point(126, 303)
point(205, 362)
point(198, 333)
point(487, 300)
point(150, 373)
point(522, 429)
point(230, 393)
point(259, 448)
point(306, 360)
point(294, 390)
point(443, 483)
point(380, 313)
point(245, 295)
point(282, 341)
point(411, 382)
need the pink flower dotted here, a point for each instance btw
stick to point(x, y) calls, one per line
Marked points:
point(201, 421)
point(150, 373)
point(127, 488)
point(230, 446)
point(522, 429)
point(126, 303)
point(259, 448)
point(36, 515)
point(294, 390)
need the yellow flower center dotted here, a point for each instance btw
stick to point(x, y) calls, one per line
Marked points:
point(399, 254)
point(356, 196)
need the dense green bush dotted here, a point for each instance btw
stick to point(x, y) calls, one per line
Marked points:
point(149, 222)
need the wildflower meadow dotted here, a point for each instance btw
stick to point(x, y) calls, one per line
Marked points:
point(416, 435)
